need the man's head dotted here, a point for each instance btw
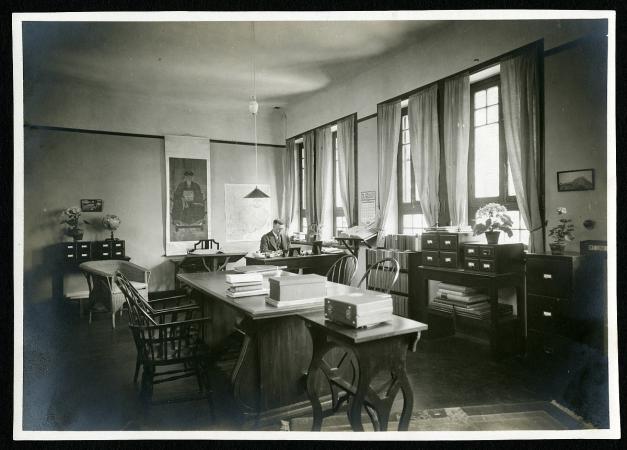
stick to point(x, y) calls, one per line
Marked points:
point(189, 175)
point(277, 225)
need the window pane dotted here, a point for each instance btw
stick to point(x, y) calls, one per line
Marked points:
point(405, 137)
point(510, 182)
point(406, 153)
point(493, 95)
point(479, 117)
point(487, 161)
point(404, 122)
point(407, 182)
point(480, 98)
point(493, 114)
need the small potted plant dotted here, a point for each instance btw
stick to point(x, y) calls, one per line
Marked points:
point(491, 219)
point(111, 222)
point(561, 233)
point(72, 218)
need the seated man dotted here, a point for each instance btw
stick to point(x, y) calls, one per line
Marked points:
point(275, 239)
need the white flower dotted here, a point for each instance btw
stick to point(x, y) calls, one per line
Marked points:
point(561, 210)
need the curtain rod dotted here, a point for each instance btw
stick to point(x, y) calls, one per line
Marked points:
point(138, 135)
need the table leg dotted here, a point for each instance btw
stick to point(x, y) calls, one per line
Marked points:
point(320, 348)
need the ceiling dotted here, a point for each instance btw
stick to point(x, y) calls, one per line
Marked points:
point(210, 61)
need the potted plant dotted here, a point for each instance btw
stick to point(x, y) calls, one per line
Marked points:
point(72, 218)
point(111, 222)
point(561, 233)
point(491, 219)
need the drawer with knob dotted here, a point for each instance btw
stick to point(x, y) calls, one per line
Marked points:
point(448, 259)
point(430, 241)
point(430, 258)
point(551, 280)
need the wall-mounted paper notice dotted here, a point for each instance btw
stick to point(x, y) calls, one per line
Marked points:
point(368, 207)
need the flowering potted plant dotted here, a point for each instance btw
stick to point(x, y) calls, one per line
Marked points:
point(71, 218)
point(111, 222)
point(561, 233)
point(491, 219)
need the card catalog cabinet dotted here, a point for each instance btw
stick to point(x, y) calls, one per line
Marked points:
point(492, 258)
point(81, 251)
point(443, 249)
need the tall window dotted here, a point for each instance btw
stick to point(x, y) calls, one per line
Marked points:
point(489, 175)
point(410, 217)
point(339, 220)
point(303, 205)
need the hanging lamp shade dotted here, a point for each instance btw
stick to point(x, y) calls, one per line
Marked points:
point(256, 193)
point(253, 108)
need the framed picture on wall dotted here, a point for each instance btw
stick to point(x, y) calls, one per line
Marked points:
point(91, 205)
point(575, 180)
point(188, 188)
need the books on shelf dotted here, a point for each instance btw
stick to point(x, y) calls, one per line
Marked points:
point(474, 298)
point(400, 306)
point(376, 254)
point(403, 242)
point(457, 288)
point(479, 310)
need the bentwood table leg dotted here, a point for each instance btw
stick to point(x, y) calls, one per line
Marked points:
point(320, 348)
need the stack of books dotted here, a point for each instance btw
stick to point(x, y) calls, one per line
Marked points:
point(297, 290)
point(244, 285)
point(466, 301)
point(403, 242)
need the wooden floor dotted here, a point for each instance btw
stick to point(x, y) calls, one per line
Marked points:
point(79, 377)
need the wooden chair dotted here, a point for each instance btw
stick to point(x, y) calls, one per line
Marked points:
point(165, 338)
point(102, 288)
point(343, 270)
point(381, 276)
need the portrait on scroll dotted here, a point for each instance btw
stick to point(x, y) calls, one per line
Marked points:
point(188, 195)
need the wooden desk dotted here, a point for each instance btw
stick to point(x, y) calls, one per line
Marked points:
point(268, 378)
point(319, 264)
point(203, 263)
point(379, 349)
point(492, 282)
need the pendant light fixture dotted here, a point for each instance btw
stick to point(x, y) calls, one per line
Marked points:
point(253, 107)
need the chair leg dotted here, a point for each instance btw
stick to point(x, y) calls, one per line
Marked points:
point(113, 320)
point(146, 388)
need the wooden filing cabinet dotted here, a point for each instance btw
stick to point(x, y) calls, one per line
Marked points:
point(550, 282)
point(443, 249)
point(80, 251)
point(492, 258)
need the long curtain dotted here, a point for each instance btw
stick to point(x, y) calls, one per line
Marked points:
point(388, 134)
point(324, 181)
point(346, 168)
point(521, 124)
point(290, 184)
point(310, 192)
point(456, 139)
point(425, 149)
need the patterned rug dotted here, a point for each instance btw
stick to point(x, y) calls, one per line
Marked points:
point(516, 416)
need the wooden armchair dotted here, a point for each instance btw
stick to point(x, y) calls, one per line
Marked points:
point(164, 338)
point(102, 289)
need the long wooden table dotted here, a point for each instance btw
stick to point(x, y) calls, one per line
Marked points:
point(269, 378)
point(319, 264)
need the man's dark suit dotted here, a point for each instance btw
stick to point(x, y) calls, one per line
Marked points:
point(269, 242)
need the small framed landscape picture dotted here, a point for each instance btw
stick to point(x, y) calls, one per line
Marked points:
point(91, 205)
point(575, 180)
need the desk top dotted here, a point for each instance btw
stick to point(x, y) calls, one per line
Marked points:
point(177, 258)
point(397, 326)
point(213, 284)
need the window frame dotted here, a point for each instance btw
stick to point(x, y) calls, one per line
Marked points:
point(338, 211)
point(301, 181)
point(414, 206)
point(503, 198)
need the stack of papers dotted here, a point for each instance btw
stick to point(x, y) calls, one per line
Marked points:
point(244, 285)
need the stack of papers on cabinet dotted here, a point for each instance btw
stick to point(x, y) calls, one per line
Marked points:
point(359, 309)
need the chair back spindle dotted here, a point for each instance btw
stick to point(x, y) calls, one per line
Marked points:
point(381, 276)
point(343, 270)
